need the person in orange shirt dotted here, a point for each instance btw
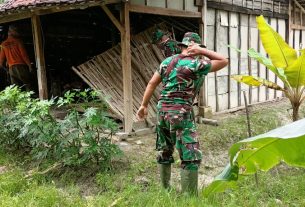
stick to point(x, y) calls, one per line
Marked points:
point(17, 59)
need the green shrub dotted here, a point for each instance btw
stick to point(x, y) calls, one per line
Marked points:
point(78, 139)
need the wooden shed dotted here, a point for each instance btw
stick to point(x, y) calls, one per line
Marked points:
point(220, 22)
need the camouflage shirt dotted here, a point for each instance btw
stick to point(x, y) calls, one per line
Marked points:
point(182, 77)
point(170, 48)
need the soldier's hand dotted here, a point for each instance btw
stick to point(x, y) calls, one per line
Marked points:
point(142, 112)
point(195, 49)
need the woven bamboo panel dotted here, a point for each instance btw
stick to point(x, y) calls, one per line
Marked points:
point(104, 73)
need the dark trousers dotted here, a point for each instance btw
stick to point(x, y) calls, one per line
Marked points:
point(20, 76)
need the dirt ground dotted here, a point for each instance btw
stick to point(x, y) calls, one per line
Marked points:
point(213, 160)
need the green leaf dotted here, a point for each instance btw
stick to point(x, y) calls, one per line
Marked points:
point(263, 152)
point(281, 54)
point(267, 62)
point(227, 179)
point(256, 81)
point(296, 72)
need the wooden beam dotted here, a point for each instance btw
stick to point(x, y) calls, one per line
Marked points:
point(203, 34)
point(126, 68)
point(299, 5)
point(113, 19)
point(249, 59)
point(164, 11)
point(296, 26)
point(288, 22)
point(216, 34)
point(258, 65)
point(28, 12)
point(294, 12)
point(40, 61)
point(239, 60)
point(229, 55)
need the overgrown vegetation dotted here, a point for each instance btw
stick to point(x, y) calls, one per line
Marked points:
point(26, 125)
point(133, 180)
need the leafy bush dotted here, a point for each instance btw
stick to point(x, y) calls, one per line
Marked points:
point(78, 139)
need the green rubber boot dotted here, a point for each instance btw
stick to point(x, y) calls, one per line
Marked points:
point(165, 174)
point(189, 181)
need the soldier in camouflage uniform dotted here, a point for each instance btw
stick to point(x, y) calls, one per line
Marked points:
point(182, 76)
point(168, 46)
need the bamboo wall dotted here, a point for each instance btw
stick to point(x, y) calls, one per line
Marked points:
point(238, 30)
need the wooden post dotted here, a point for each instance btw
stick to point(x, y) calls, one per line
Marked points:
point(126, 68)
point(216, 29)
point(249, 59)
point(239, 60)
point(203, 32)
point(229, 55)
point(258, 65)
point(288, 22)
point(39, 55)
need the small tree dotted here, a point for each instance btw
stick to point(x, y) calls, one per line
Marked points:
point(283, 62)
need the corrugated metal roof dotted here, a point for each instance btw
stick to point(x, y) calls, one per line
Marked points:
point(14, 5)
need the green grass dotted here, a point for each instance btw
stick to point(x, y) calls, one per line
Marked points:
point(134, 178)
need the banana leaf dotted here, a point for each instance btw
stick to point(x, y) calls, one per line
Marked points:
point(280, 53)
point(262, 152)
point(256, 81)
point(267, 62)
point(296, 72)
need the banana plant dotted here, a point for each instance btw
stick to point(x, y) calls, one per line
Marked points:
point(262, 152)
point(283, 62)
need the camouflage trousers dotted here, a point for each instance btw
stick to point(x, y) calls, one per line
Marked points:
point(178, 129)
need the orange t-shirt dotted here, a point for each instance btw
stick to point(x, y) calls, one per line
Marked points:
point(13, 51)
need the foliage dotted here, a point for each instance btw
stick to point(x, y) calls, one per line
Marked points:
point(283, 62)
point(262, 152)
point(78, 139)
point(125, 185)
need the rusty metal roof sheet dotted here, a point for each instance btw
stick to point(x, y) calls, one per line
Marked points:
point(16, 5)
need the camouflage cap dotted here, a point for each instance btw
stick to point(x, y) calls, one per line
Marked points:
point(157, 35)
point(191, 36)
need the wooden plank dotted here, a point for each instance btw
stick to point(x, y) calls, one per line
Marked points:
point(267, 70)
point(239, 59)
point(113, 19)
point(249, 59)
point(175, 4)
point(294, 12)
point(216, 29)
point(203, 34)
point(298, 27)
point(164, 11)
point(40, 59)
point(276, 77)
point(258, 65)
point(229, 64)
point(288, 23)
point(126, 67)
